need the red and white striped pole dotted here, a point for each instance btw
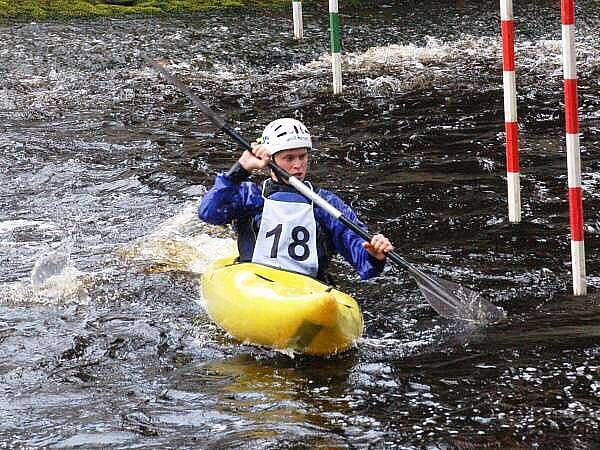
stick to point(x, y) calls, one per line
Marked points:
point(510, 111)
point(573, 154)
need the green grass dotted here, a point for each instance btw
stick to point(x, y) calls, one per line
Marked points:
point(53, 9)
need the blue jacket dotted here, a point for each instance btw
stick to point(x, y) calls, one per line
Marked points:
point(232, 200)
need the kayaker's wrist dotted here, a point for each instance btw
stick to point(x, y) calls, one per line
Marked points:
point(377, 264)
point(237, 173)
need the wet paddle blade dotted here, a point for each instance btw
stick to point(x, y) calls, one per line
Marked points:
point(452, 301)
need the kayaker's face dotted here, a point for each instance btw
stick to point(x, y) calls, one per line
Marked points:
point(294, 161)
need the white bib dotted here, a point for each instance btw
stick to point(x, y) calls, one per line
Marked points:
point(287, 238)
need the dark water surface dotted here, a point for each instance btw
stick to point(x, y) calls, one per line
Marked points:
point(103, 340)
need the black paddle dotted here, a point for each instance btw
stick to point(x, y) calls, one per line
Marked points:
point(448, 299)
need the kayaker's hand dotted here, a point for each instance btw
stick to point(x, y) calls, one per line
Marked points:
point(257, 160)
point(378, 247)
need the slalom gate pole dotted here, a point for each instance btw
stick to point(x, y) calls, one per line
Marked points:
point(297, 14)
point(336, 47)
point(510, 111)
point(573, 153)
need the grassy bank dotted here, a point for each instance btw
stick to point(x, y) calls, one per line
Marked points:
point(49, 9)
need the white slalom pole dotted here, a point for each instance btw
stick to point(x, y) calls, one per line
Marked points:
point(297, 13)
point(510, 111)
point(336, 47)
point(573, 153)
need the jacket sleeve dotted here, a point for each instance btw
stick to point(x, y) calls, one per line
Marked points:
point(346, 242)
point(229, 199)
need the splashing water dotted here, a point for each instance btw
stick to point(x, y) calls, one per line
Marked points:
point(181, 243)
point(55, 277)
point(48, 266)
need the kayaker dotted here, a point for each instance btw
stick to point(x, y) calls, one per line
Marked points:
point(276, 225)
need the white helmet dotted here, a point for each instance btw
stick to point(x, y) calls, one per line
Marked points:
point(284, 134)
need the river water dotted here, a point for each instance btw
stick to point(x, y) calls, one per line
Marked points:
point(103, 338)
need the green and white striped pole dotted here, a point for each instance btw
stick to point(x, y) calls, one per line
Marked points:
point(297, 13)
point(336, 47)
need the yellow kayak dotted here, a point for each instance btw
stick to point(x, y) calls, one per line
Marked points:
point(278, 309)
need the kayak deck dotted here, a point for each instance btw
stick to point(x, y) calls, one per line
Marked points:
point(282, 310)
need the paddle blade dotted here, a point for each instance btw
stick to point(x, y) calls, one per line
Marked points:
point(452, 301)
